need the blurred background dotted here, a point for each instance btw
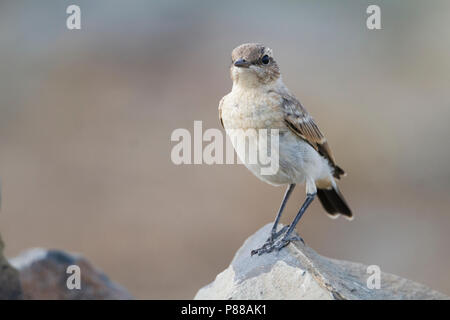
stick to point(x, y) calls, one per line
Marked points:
point(86, 118)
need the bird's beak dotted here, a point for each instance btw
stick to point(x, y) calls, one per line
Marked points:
point(241, 63)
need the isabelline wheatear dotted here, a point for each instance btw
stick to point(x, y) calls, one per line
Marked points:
point(260, 100)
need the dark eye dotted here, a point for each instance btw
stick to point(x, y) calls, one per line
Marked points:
point(265, 59)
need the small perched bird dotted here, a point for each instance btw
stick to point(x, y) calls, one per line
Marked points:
point(260, 100)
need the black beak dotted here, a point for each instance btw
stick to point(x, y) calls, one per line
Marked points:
point(241, 63)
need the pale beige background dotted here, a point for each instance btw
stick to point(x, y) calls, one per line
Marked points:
point(86, 118)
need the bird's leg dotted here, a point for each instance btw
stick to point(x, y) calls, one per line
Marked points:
point(278, 245)
point(288, 236)
point(273, 233)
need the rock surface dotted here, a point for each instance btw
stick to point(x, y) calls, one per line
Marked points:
point(9, 279)
point(298, 272)
point(43, 275)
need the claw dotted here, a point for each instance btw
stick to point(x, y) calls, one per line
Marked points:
point(285, 241)
point(265, 248)
point(269, 246)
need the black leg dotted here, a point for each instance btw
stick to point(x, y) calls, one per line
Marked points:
point(273, 233)
point(287, 237)
point(269, 246)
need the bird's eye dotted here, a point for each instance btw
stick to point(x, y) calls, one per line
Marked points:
point(265, 59)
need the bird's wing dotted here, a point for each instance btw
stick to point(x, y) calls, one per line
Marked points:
point(220, 111)
point(303, 125)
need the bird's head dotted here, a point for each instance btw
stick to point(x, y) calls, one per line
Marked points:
point(253, 65)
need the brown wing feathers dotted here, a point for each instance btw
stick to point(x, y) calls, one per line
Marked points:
point(302, 124)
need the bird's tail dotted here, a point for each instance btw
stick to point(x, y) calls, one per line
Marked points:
point(334, 203)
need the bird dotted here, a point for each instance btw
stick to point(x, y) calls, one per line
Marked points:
point(259, 100)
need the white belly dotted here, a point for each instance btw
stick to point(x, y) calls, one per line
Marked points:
point(297, 161)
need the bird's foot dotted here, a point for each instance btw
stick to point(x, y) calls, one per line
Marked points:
point(276, 245)
point(285, 241)
point(270, 241)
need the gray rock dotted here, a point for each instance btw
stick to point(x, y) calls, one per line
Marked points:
point(9, 279)
point(298, 272)
point(43, 274)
